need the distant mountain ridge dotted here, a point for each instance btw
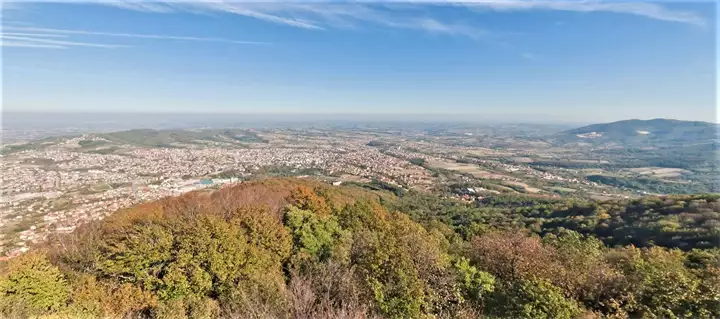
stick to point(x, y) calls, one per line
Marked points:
point(636, 131)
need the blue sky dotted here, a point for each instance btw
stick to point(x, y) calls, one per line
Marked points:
point(553, 61)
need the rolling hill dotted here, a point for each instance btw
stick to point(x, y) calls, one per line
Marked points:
point(296, 249)
point(170, 138)
point(635, 132)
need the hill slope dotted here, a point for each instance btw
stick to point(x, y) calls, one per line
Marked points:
point(656, 131)
point(292, 249)
point(170, 138)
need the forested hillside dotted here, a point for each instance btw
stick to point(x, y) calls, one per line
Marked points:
point(289, 248)
point(644, 132)
point(676, 221)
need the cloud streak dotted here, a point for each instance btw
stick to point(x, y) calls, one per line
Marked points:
point(62, 32)
point(644, 9)
point(321, 15)
point(16, 44)
point(317, 15)
point(38, 42)
point(49, 38)
point(41, 35)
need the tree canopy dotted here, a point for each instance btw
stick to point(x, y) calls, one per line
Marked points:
point(288, 248)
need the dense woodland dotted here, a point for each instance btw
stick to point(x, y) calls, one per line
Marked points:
point(651, 185)
point(674, 221)
point(290, 248)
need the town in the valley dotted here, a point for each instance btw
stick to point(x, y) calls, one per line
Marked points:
point(55, 184)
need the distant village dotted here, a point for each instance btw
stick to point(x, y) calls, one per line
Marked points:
point(57, 186)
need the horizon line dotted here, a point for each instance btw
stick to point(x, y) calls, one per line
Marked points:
point(465, 114)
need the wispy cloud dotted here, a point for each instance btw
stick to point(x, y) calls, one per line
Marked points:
point(318, 15)
point(150, 6)
point(640, 8)
point(48, 38)
point(259, 12)
point(41, 35)
point(322, 15)
point(36, 41)
point(31, 45)
point(62, 32)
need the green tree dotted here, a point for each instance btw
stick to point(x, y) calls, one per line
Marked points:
point(191, 307)
point(532, 299)
point(31, 284)
point(663, 285)
point(204, 255)
point(313, 234)
point(475, 285)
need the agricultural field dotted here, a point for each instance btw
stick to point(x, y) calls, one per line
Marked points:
point(660, 172)
point(471, 169)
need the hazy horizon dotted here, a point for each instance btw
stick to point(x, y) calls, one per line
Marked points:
point(586, 62)
point(299, 117)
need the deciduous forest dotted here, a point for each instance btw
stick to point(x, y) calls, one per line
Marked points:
point(292, 248)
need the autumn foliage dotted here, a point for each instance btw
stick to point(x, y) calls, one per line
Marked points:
point(288, 248)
